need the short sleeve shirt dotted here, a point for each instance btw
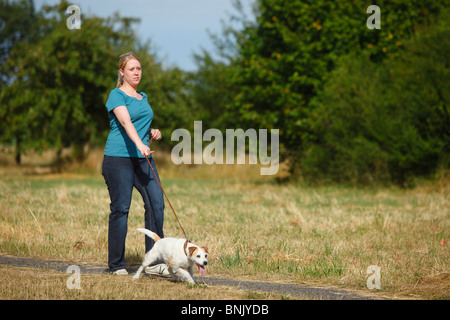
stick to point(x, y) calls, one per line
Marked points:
point(118, 143)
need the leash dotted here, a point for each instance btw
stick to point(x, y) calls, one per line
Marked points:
point(157, 179)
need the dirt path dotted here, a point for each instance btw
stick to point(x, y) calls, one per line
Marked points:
point(293, 290)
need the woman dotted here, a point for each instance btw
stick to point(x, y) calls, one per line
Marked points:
point(124, 164)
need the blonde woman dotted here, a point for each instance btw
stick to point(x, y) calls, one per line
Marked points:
point(124, 164)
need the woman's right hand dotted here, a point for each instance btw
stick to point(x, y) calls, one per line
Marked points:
point(144, 150)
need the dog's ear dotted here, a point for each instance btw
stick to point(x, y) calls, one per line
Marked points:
point(191, 250)
point(205, 249)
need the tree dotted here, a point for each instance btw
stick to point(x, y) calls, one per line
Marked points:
point(384, 121)
point(62, 80)
point(286, 55)
point(167, 94)
point(13, 14)
point(211, 89)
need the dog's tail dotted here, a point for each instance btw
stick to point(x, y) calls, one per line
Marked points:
point(150, 234)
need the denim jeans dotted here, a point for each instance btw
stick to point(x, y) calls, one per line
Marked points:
point(121, 175)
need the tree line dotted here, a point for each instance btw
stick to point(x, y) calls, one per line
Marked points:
point(352, 104)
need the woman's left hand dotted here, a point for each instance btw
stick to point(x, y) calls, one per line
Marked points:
point(156, 134)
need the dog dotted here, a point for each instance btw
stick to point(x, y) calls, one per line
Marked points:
point(179, 255)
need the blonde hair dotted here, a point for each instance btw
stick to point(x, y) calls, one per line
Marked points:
point(122, 63)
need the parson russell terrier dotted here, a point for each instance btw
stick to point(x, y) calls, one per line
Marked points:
point(178, 254)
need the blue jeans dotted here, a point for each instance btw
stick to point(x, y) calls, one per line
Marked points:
point(121, 175)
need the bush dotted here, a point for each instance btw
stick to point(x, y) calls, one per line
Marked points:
point(379, 122)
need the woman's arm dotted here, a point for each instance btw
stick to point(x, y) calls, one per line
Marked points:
point(123, 116)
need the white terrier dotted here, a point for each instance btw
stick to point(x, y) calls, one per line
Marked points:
point(179, 255)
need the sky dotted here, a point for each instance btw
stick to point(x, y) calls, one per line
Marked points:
point(176, 28)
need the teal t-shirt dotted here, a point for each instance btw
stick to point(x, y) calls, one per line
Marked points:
point(118, 143)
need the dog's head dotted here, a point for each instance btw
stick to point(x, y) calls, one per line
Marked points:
point(199, 255)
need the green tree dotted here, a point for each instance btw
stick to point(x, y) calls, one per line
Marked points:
point(211, 89)
point(57, 97)
point(13, 14)
point(385, 121)
point(171, 103)
point(285, 56)
point(62, 80)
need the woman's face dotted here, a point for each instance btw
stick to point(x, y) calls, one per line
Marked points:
point(132, 72)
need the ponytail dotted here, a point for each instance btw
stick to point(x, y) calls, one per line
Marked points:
point(119, 80)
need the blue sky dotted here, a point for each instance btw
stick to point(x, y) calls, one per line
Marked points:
point(176, 28)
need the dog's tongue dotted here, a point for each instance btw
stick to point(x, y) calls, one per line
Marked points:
point(201, 269)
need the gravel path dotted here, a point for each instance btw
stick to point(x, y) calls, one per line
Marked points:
point(293, 290)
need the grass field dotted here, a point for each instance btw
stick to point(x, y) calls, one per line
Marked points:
point(255, 229)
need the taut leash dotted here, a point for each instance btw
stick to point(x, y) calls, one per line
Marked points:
point(157, 179)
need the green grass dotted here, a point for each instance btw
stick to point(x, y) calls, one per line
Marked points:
point(255, 229)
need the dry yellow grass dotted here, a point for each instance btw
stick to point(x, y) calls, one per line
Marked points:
point(30, 284)
point(256, 229)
